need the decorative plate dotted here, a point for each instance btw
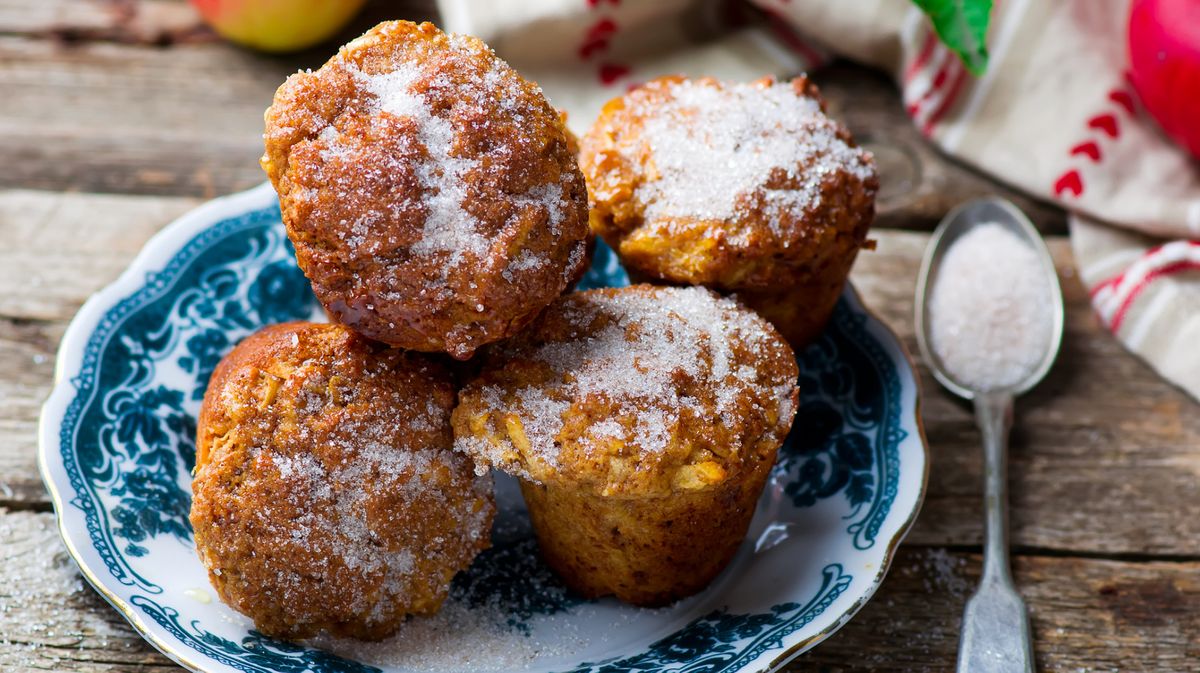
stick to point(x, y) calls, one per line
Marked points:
point(117, 449)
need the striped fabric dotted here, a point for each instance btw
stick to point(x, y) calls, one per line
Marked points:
point(1053, 116)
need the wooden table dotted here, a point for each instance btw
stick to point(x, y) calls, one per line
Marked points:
point(116, 116)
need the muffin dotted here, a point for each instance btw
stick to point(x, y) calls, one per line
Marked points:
point(569, 135)
point(429, 190)
point(326, 494)
point(642, 423)
point(745, 188)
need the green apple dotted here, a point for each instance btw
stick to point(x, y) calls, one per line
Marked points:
point(277, 25)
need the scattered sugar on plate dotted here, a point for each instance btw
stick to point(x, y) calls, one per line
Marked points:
point(461, 638)
point(989, 314)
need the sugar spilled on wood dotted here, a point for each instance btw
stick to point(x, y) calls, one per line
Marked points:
point(990, 316)
point(34, 566)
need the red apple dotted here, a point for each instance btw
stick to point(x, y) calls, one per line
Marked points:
point(277, 25)
point(1164, 65)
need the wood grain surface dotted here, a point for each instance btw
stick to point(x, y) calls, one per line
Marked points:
point(118, 115)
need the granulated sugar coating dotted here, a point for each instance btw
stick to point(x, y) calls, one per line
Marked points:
point(747, 188)
point(990, 313)
point(326, 496)
point(713, 148)
point(428, 188)
point(754, 167)
point(620, 391)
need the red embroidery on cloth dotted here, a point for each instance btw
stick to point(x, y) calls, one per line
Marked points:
point(611, 72)
point(602, 29)
point(1122, 98)
point(1088, 149)
point(941, 90)
point(597, 40)
point(1116, 280)
point(1113, 282)
point(935, 84)
point(1106, 123)
point(922, 57)
point(1069, 182)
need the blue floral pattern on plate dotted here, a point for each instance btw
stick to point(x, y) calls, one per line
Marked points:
point(117, 450)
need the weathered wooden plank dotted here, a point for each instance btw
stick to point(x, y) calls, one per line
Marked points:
point(94, 103)
point(109, 117)
point(101, 112)
point(149, 22)
point(50, 620)
point(64, 247)
point(26, 372)
point(1104, 456)
point(159, 23)
point(1088, 614)
point(60, 249)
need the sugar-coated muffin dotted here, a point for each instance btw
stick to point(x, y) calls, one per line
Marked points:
point(430, 190)
point(569, 135)
point(326, 494)
point(745, 188)
point(642, 423)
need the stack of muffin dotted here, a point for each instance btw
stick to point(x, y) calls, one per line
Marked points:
point(437, 206)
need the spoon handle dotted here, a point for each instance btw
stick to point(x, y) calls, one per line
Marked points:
point(993, 414)
point(996, 636)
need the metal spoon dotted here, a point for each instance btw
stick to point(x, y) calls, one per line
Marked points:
point(996, 636)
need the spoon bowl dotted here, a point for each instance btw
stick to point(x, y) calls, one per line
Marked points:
point(957, 223)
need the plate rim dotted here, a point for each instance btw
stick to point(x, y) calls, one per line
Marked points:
point(889, 552)
point(153, 256)
point(158, 251)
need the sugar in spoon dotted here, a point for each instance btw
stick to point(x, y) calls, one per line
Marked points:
point(996, 636)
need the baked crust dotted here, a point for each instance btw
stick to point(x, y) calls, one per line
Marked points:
point(648, 552)
point(746, 188)
point(429, 190)
point(326, 496)
point(618, 391)
point(642, 422)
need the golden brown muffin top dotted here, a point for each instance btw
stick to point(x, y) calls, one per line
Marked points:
point(326, 493)
point(427, 187)
point(631, 392)
point(703, 181)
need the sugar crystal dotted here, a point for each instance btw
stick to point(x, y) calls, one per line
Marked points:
point(990, 317)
